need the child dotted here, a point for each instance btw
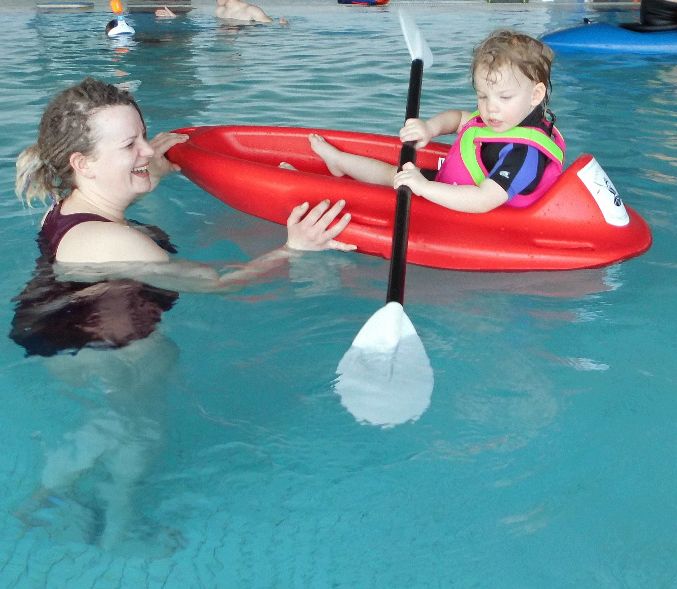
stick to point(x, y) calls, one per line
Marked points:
point(506, 152)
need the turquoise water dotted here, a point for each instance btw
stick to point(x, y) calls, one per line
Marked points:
point(216, 454)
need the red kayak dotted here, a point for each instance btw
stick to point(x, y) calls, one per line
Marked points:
point(364, 2)
point(580, 223)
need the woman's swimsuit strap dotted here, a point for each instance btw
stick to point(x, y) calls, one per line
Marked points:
point(56, 225)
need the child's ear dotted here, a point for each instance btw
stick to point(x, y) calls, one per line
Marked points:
point(80, 164)
point(538, 94)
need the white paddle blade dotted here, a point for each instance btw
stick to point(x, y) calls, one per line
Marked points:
point(418, 48)
point(385, 378)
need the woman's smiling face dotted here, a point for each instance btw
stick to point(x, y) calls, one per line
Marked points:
point(122, 153)
point(505, 96)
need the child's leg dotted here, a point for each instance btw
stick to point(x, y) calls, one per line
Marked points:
point(362, 168)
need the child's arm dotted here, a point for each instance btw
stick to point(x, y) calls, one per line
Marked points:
point(466, 199)
point(444, 123)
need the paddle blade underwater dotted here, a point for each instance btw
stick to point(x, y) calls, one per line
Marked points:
point(385, 378)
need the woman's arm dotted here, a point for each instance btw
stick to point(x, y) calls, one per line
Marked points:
point(132, 254)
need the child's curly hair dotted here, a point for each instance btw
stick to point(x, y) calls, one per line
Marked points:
point(505, 47)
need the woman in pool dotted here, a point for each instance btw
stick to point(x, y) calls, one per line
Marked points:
point(520, 153)
point(93, 159)
point(100, 288)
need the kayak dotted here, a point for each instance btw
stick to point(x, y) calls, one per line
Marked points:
point(364, 2)
point(580, 222)
point(605, 38)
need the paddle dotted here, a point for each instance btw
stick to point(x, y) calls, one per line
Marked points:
point(385, 378)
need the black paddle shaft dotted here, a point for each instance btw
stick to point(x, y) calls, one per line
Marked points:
point(398, 254)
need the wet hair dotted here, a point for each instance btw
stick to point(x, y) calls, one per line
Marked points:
point(504, 47)
point(43, 169)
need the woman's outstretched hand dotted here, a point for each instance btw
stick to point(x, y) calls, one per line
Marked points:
point(309, 229)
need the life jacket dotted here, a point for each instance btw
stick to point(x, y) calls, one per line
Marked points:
point(463, 164)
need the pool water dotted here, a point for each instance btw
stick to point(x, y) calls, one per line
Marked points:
point(216, 452)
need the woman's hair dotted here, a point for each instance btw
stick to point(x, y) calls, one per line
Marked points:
point(505, 47)
point(44, 169)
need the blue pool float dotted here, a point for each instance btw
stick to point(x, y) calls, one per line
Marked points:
point(606, 38)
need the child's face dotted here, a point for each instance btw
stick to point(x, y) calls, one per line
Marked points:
point(505, 96)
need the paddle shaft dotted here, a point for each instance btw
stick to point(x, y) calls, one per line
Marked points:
point(398, 254)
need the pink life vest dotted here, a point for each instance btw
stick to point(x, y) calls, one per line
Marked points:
point(464, 166)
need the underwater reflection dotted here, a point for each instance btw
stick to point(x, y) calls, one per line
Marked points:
point(99, 342)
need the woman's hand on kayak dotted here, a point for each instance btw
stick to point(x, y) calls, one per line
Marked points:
point(310, 229)
point(159, 165)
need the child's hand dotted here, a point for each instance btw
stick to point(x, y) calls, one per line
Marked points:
point(410, 176)
point(416, 130)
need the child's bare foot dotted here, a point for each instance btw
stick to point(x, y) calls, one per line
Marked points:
point(327, 152)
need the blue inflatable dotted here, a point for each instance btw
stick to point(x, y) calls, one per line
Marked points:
point(605, 38)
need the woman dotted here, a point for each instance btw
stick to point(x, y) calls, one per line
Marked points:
point(100, 288)
point(92, 157)
point(93, 160)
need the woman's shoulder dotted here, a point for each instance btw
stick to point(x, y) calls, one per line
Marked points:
point(55, 225)
point(103, 241)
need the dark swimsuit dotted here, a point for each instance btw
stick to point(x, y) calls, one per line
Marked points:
point(54, 316)
point(55, 226)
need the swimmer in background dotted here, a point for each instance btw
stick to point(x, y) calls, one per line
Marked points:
point(119, 27)
point(164, 12)
point(241, 11)
point(519, 151)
